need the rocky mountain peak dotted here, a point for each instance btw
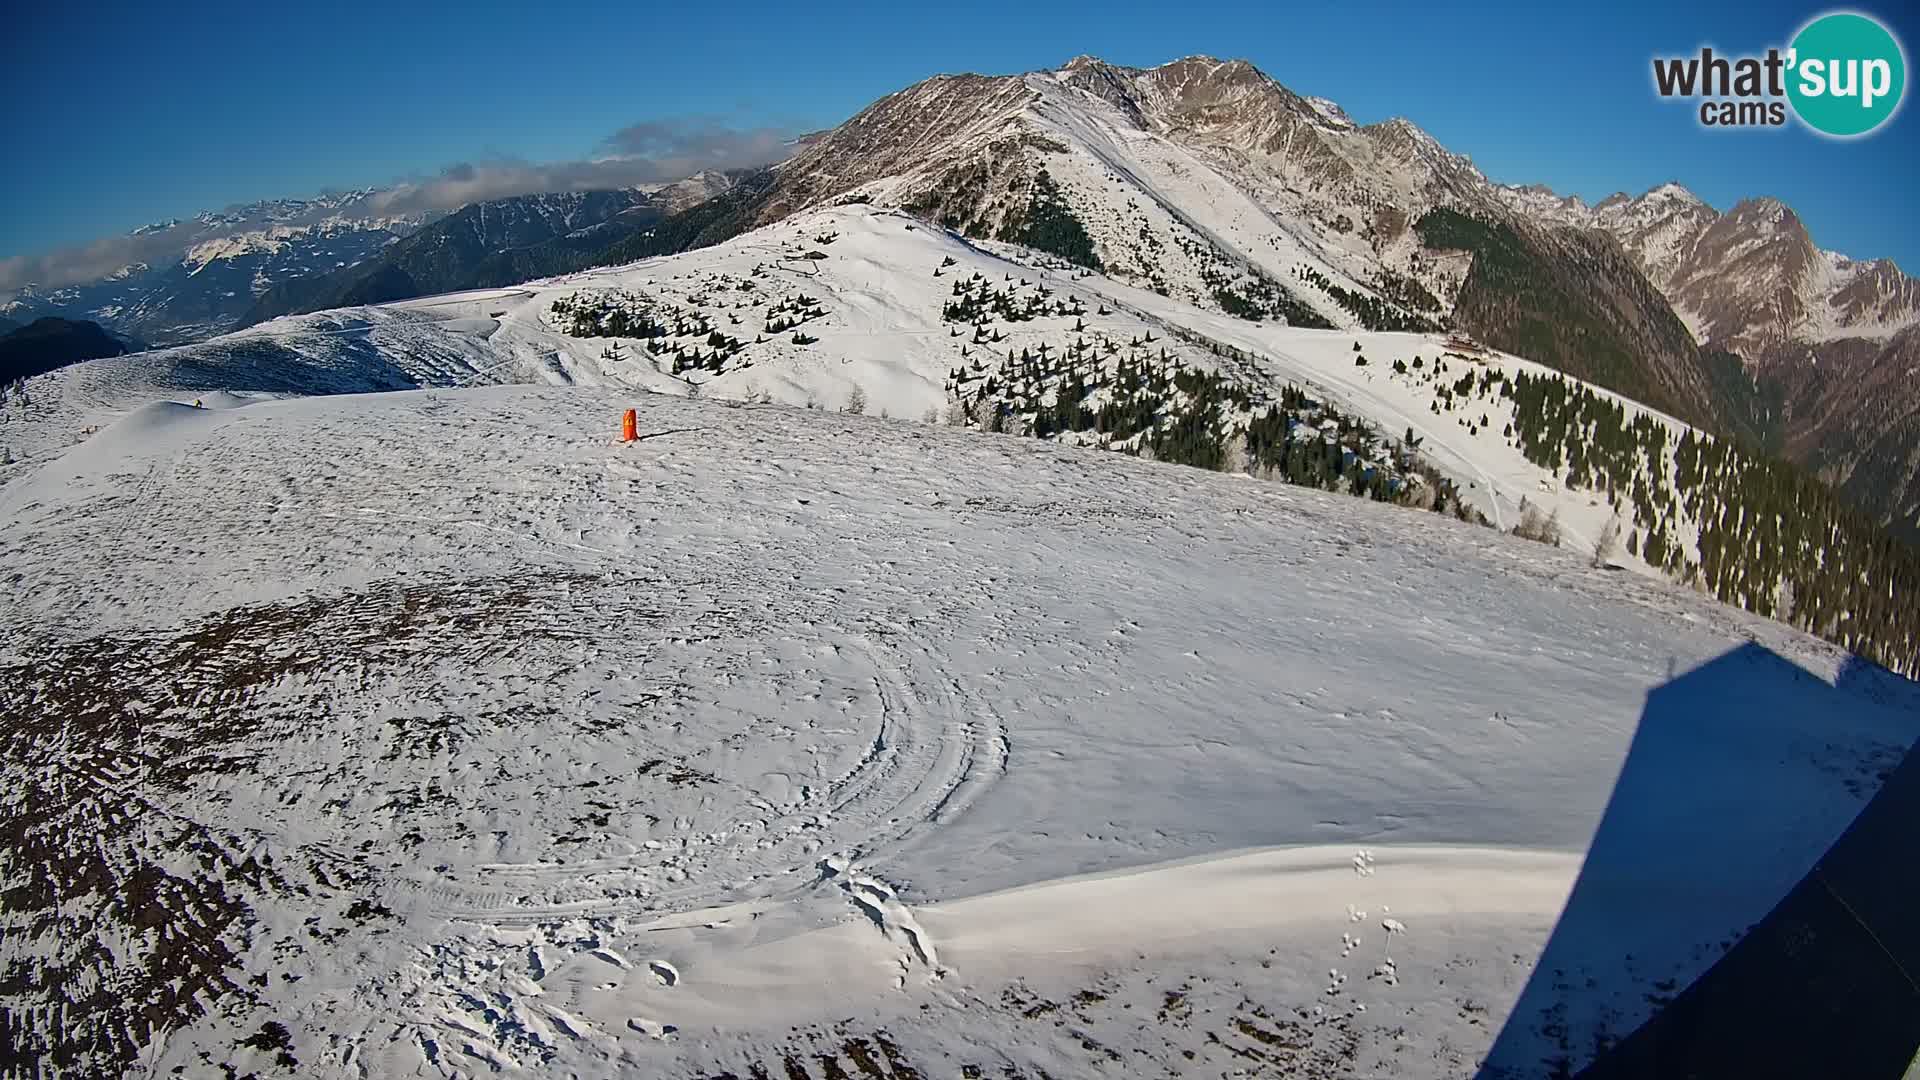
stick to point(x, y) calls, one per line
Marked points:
point(1400, 131)
point(1199, 84)
point(1673, 192)
point(1764, 210)
point(1332, 113)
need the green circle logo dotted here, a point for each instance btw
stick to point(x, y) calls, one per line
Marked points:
point(1847, 76)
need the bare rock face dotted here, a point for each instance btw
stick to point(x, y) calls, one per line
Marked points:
point(1750, 279)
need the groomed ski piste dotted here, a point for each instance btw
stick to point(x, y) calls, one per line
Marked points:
point(435, 732)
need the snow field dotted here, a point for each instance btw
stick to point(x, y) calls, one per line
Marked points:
point(669, 758)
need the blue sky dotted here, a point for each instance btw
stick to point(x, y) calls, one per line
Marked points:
point(122, 113)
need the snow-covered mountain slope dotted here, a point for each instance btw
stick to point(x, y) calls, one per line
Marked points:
point(881, 282)
point(1467, 435)
point(1212, 183)
point(205, 288)
point(355, 351)
point(854, 307)
point(1192, 177)
point(866, 290)
point(1209, 182)
point(438, 733)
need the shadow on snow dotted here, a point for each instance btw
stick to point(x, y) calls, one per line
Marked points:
point(1716, 864)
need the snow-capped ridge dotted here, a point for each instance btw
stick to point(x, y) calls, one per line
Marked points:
point(1748, 278)
point(1674, 191)
point(1331, 111)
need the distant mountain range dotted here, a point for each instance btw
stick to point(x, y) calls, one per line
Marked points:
point(1749, 279)
point(195, 278)
point(225, 270)
point(500, 242)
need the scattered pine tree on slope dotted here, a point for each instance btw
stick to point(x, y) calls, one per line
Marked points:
point(1770, 537)
point(1049, 225)
point(1153, 405)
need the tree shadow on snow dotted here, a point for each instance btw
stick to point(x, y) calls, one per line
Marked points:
point(1711, 931)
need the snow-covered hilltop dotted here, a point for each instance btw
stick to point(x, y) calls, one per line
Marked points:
point(438, 733)
point(859, 307)
point(850, 300)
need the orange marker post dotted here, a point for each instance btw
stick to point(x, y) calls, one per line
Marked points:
point(629, 426)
